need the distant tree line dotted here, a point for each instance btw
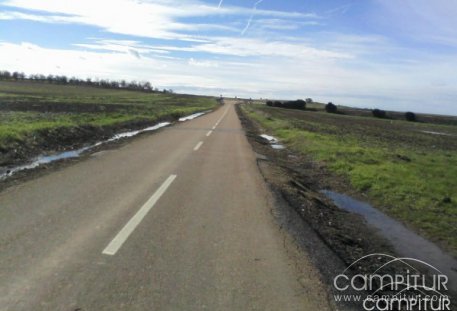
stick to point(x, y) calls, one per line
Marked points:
point(382, 114)
point(64, 80)
point(332, 108)
point(295, 104)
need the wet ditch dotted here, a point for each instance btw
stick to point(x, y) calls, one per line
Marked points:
point(351, 231)
point(45, 158)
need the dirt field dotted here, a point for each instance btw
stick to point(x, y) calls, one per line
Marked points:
point(37, 118)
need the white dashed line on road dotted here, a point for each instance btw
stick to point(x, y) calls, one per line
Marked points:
point(198, 146)
point(123, 235)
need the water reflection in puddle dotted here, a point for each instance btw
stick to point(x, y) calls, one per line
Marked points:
point(192, 116)
point(46, 159)
point(278, 146)
point(6, 172)
point(406, 242)
point(437, 133)
point(273, 141)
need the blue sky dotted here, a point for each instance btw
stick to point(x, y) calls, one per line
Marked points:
point(390, 54)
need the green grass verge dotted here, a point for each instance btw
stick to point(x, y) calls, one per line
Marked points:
point(46, 106)
point(411, 190)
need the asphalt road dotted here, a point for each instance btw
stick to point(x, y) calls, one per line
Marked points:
point(176, 220)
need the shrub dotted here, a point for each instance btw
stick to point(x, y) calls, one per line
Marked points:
point(296, 104)
point(331, 108)
point(270, 103)
point(378, 113)
point(277, 104)
point(410, 116)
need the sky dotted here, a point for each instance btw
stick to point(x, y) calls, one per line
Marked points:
point(388, 54)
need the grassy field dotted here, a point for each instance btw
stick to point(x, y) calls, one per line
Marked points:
point(28, 108)
point(407, 169)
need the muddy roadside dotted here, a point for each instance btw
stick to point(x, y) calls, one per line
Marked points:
point(85, 139)
point(67, 138)
point(334, 238)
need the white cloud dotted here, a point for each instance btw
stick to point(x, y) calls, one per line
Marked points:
point(12, 15)
point(250, 47)
point(122, 46)
point(135, 53)
point(282, 24)
point(400, 88)
point(202, 63)
point(422, 20)
point(367, 70)
point(342, 9)
point(153, 19)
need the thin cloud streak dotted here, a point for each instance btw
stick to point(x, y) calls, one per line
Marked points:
point(203, 45)
point(343, 9)
point(159, 19)
point(280, 77)
point(251, 17)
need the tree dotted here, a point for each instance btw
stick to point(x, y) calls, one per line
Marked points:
point(410, 116)
point(17, 75)
point(378, 113)
point(309, 100)
point(331, 108)
point(147, 86)
point(277, 103)
point(61, 79)
point(6, 75)
point(296, 104)
point(144, 86)
point(50, 78)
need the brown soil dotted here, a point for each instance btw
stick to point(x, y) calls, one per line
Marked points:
point(395, 115)
point(385, 131)
point(62, 107)
point(66, 138)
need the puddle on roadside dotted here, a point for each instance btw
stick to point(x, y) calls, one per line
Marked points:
point(278, 146)
point(192, 116)
point(406, 242)
point(273, 141)
point(437, 133)
point(46, 159)
point(134, 133)
point(6, 172)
